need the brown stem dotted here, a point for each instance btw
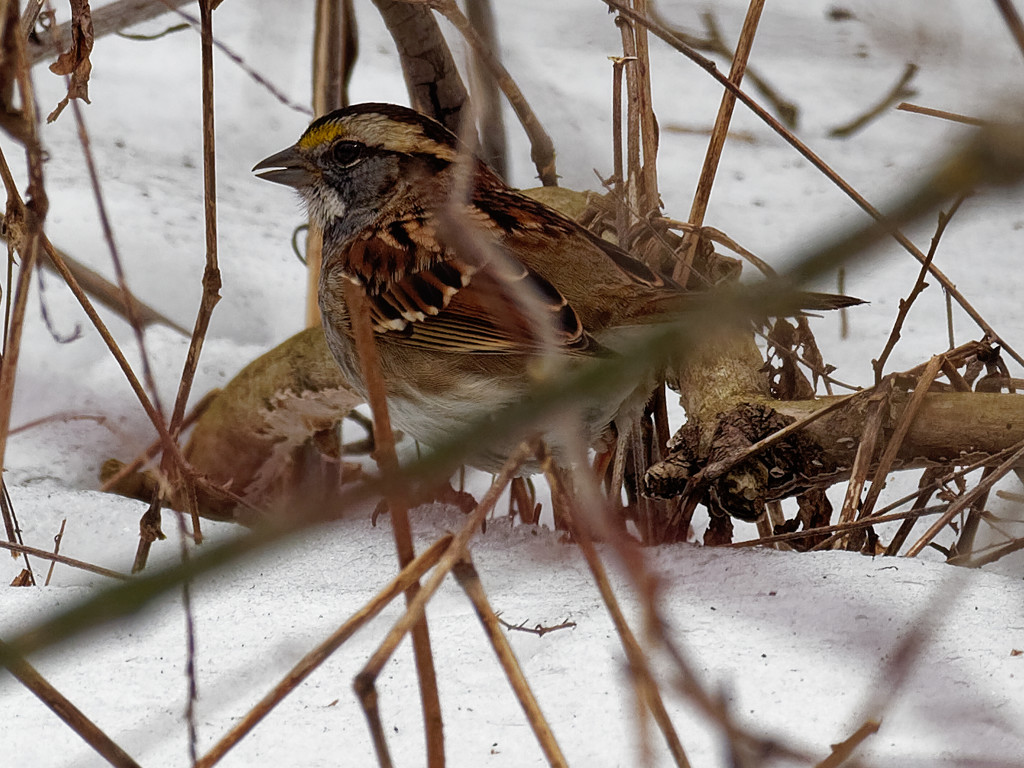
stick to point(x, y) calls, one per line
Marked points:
point(840, 530)
point(211, 272)
point(108, 235)
point(842, 751)
point(435, 87)
point(646, 687)
point(669, 37)
point(632, 182)
point(312, 660)
point(618, 176)
point(879, 405)
point(542, 149)
point(967, 499)
point(28, 218)
point(387, 461)
point(69, 561)
point(335, 47)
point(365, 681)
point(718, 135)
point(70, 714)
point(486, 92)
point(926, 488)
point(56, 551)
point(106, 292)
point(899, 434)
point(466, 574)
point(899, 91)
point(648, 172)
point(941, 113)
point(1013, 21)
point(919, 286)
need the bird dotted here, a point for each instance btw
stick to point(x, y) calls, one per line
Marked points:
point(471, 284)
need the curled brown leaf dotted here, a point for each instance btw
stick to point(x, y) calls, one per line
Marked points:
point(74, 62)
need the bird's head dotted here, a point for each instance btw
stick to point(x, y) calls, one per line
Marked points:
point(350, 163)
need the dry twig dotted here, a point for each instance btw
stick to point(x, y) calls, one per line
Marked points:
point(719, 133)
point(466, 574)
point(956, 118)
point(542, 149)
point(919, 286)
point(968, 498)
point(312, 660)
point(70, 714)
point(901, 90)
point(384, 439)
point(56, 558)
point(646, 687)
point(56, 551)
point(537, 629)
point(365, 681)
point(1013, 21)
point(884, 225)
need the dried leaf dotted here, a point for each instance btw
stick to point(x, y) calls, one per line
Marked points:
point(75, 62)
point(23, 579)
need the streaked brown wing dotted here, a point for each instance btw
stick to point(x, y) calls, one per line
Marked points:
point(455, 307)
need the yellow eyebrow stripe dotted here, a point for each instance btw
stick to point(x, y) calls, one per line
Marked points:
point(376, 130)
point(321, 134)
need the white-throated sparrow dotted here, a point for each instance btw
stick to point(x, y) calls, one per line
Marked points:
point(459, 323)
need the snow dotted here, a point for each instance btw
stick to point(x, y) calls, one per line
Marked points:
point(797, 645)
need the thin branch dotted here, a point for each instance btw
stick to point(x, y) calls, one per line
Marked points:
point(618, 176)
point(642, 678)
point(56, 551)
point(486, 92)
point(69, 561)
point(899, 434)
point(842, 751)
point(155, 417)
point(387, 461)
point(919, 286)
point(633, 130)
point(312, 660)
point(879, 404)
point(839, 530)
point(886, 225)
point(236, 59)
point(1013, 21)
point(899, 91)
point(70, 714)
point(211, 272)
point(966, 499)
point(930, 482)
point(641, 73)
point(537, 629)
point(718, 136)
point(104, 291)
point(542, 149)
point(941, 113)
point(365, 681)
point(466, 575)
point(24, 224)
point(115, 257)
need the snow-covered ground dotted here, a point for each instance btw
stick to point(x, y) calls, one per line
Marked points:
point(797, 645)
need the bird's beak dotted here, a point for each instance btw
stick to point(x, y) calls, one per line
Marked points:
point(286, 167)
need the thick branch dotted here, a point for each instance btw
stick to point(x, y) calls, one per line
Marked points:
point(950, 427)
point(435, 87)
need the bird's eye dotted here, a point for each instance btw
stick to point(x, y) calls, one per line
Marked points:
point(346, 153)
